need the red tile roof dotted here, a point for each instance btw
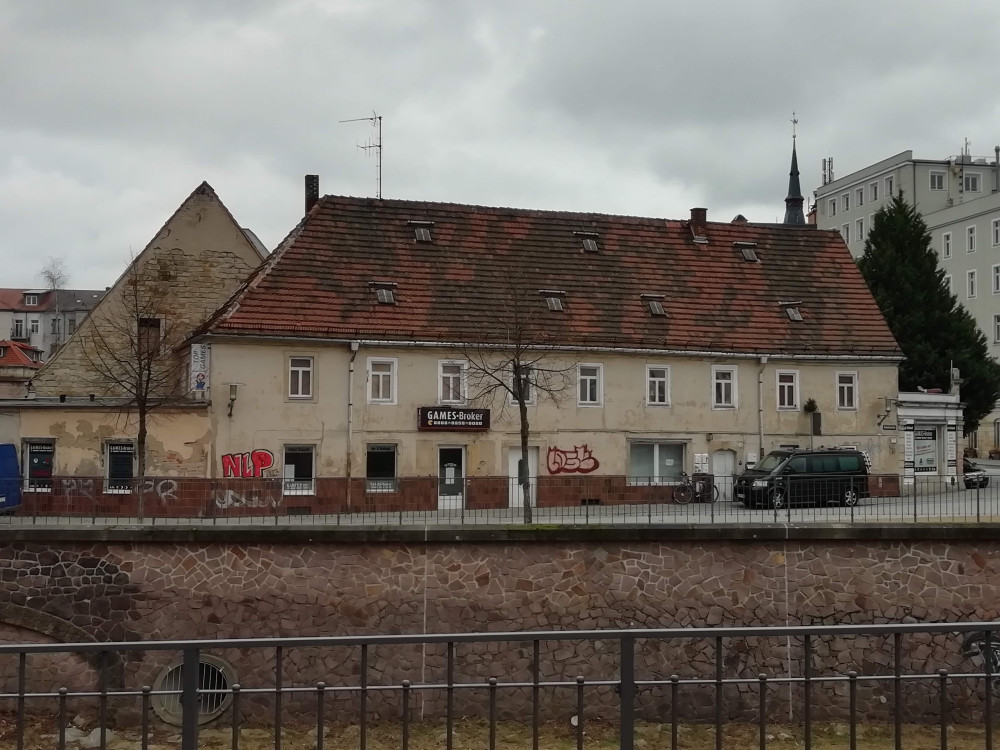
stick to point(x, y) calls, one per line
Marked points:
point(318, 283)
point(16, 354)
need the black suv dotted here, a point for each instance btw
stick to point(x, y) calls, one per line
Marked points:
point(805, 477)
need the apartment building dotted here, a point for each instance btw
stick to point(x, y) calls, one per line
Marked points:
point(44, 318)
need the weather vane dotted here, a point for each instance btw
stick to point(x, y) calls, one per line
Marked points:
point(794, 123)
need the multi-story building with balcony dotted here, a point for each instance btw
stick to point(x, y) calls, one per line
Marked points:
point(44, 318)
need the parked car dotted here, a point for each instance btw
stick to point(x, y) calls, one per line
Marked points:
point(974, 475)
point(805, 477)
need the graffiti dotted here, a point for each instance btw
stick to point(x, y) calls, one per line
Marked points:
point(164, 489)
point(82, 487)
point(973, 648)
point(252, 464)
point(580, 460)
point(253, 499)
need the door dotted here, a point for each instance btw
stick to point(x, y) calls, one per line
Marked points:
point(516, 492)
point(723, 468)
point(451, 478)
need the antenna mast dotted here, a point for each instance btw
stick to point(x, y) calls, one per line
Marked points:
point(376, 146)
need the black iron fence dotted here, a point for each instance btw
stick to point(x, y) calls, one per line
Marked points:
point(905, 678)
point(589, 499)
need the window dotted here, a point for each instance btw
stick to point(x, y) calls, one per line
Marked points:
point(300, 377)
point(657, 385)
point(970, 182)
point(422, 230)
point(553, 299)
point(30, 300)
point(655, 463)
point(34, 325)
point(39, 458)
point(846, 199)
point(589, 381)
point(748, 250)
point(380, 468)
point(55, 325)
point(847, 390)
point(970, 285)
point(793, 313)
point(833, 207)
point(946, 245)
point(71, 324)
point(788, 389)
point(873, 191)
point(889, 183)
point(859, 229)
point(18, 329)
point(845, 232)
point(937, 180)
point(970, 239)
point(385, 295)
point(947, 282)
point(451, 382)
point(299, 475)
point(723, 387)
point(120, 467)
point(996, 329)
point(527, 388)
point(859, 197)
point(996, 232)
point(381, 381)
point(654, 304)
point(996, 279)
point(149, 336)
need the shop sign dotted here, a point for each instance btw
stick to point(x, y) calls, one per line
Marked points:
point(925, 450)
point(446, 418)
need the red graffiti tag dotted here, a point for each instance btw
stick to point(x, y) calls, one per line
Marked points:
point(252, 464)
point(579, 460)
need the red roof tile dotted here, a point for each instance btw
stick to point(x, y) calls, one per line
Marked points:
point(16, 354)
point(318, 283)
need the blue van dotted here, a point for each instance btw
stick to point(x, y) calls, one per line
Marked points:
point(10, 478)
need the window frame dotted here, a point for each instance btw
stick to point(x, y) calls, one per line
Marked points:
point(996, 278)
point(996, 328)
point(532, 389)
point(859, 196)
point(854, 389)
point(17, 331)
point(859, 227)
point(970, 238)
point(995, 225)
point(665, 380)
point(598, 381)
point(463, 376)
point(846, 201)
point(733, 387)
point(781, 389)
point(44, 485)
point(118, 490)
point(971, 284)
point(946, 244)
point(393, 363)
point(889, 183)
point(656, 480)
point(974, 177)
point(292, 491)
point(31, 300)
point(34, 326)
point(873, 191)
point(386, 485)
point(845, 232)
point(311, 369)
point(930, 179)
point(832, 205)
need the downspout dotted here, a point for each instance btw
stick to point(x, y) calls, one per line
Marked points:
point(355, 345)
point(760, 407)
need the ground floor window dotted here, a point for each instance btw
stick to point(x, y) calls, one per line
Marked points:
point(120, 463)
point(299, 470)
point(380, 468)
point(655, 463)
point(38, 460)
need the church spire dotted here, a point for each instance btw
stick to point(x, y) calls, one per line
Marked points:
point(794, 201)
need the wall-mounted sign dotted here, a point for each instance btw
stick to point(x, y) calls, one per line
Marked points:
point(445, 418)
point(889, 427)
point(199, 369)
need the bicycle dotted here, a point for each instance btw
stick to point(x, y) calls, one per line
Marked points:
point(690, 488)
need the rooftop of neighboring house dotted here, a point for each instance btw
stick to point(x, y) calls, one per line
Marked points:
point(409, 271)
point(16, 354)
point(46, 300)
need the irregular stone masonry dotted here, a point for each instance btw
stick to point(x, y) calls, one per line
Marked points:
point(150, 590)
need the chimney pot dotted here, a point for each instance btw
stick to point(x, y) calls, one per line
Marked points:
point(312, 191)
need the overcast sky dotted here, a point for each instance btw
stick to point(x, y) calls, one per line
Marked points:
point(112, 112)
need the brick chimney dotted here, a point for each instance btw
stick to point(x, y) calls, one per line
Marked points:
point(699, 221)
point(312, 191)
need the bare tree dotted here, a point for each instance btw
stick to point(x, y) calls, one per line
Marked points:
point(54, 276)
point(514, 361)
point(130, 350)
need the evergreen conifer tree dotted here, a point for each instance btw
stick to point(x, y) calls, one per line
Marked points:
point(933, 330)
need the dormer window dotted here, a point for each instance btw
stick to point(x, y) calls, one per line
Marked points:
point(748, 250)
point(589, 241)
point(792, 311)
point(422, 230)
point(3, 352)
point(30, 300)
point(385, 292)
point(654, 304)
point(553, 299)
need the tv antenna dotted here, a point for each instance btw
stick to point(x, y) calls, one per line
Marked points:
point(373, 145)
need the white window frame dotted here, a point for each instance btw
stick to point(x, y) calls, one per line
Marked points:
point(852, 386)
point(873, 191)
point(108, 490)
point(930, 180)
point(734, 401)
point(845, 232)
point(665, 380)
point(18, 330)
point(971, 284)
point(833, 206)
point(298, 486)
point(996, 329)
point(996, 278)
point(889, 181)
point(947, 283)
point(657, 480)
point(946, 245)
point(859, 228)
point(25, 467)
point(975, 178)
point(393, 363)
point(295, 376)
point(783, 390)
point(970, 239)
point(996, 232)
point(34, 326)
point(859, 197)
point(463, 366)
point(846, 199)
point(598, 380)
point(31, 300)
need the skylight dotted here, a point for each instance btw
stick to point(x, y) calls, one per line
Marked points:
point(384, 292)
point(792, 310)
point(654, 304)
point(422, 230)
point(554, 299)
point(749, 251)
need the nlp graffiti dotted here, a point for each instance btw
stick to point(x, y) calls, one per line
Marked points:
point(252, 464)
point(580, 460)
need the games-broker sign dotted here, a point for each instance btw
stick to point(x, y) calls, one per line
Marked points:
point(443, 418)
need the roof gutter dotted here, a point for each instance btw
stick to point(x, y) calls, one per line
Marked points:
point(554, 348)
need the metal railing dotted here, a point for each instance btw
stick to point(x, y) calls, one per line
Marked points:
point(903, 677)
point(590, 499)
